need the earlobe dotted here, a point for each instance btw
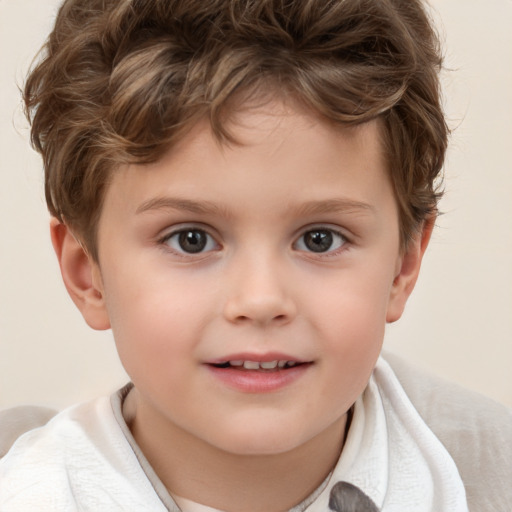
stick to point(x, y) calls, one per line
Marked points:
point(408, 271)
point(81, 276)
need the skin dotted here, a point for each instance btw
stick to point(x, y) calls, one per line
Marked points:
point(257, 288)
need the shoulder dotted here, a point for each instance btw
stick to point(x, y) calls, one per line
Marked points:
point(79, 460)
point(476, 431)
point(16, 421)
point(45, 455)
point(25, 428)
point(30, 433)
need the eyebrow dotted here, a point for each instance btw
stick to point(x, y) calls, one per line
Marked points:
point(176, 203)
point(337, 205)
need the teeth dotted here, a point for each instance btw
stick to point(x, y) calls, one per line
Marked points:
point(269, 365)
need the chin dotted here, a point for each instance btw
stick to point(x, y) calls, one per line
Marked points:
point(258, 447)
point(262, 442)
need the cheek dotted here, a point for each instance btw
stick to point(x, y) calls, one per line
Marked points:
point(156, 318)
point(354, 305)
point(350, 319)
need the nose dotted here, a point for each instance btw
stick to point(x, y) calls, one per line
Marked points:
point(260, 294)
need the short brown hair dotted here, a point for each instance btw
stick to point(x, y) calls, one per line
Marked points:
point(120, 80)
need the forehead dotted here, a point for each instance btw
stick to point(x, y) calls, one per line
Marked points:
point(283, 155)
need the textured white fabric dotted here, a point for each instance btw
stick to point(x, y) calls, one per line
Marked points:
point(393, 457)
point(82, 461)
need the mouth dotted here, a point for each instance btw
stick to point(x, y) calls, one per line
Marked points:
point(267, 373)
point(262, 366)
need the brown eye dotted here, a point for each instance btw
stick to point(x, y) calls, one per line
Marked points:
point(191, 241)
point(320, 240)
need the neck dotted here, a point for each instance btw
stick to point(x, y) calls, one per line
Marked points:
point(196, 470)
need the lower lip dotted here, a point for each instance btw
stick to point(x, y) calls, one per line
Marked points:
point(254, 381)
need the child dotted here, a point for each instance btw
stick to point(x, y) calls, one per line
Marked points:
point(243, 191)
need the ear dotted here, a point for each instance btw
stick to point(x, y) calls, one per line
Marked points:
point(81, 276)
point(408, 269)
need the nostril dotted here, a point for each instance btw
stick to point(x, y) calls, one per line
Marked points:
point(278, 319)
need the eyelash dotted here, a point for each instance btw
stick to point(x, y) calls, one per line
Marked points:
point(209, 240)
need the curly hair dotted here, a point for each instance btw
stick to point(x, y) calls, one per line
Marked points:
point(119, 81)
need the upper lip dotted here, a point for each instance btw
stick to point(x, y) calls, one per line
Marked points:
point(257, 358)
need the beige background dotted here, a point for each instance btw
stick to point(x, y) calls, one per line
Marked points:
point(459, 320)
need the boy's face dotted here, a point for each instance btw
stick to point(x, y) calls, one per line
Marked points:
point(282, 249)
